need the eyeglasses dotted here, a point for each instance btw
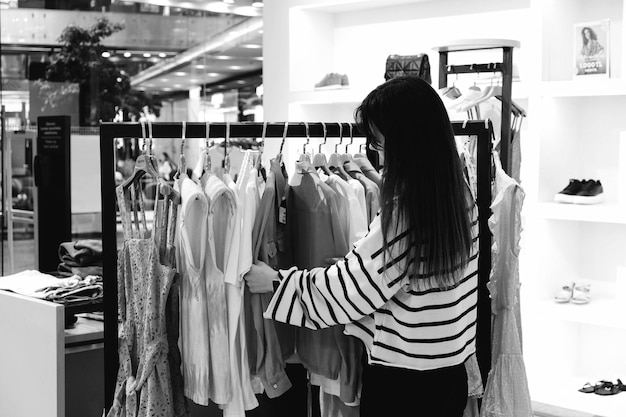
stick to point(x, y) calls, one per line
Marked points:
point(374, 146)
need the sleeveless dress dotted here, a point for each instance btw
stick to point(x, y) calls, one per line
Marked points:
point(144, 381)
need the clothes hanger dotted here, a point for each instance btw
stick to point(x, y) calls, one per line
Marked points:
point(263, 134)
point(145, 163)
point(279, 157)
point(334, 161)
point(346, 157)
point(451, 92)
point(226, 161)
point(319, 160)
point(182, 164)
point(304, 157)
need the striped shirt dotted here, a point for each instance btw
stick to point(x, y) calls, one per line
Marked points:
point(399, 326)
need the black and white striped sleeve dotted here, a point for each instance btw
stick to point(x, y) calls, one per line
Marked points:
point(342, 293)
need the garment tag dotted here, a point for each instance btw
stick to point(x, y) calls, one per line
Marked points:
point(282, 211)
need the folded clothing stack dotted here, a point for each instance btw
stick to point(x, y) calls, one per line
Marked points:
point(82, 258)
point(47, 287)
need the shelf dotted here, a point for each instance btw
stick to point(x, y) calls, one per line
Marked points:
point(458, 45)
point(601, 311)
point(599, 213)
point(584, 88)
point(564, 393)
point(329, 96)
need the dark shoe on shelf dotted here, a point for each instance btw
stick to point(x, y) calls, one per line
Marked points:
point(591, 192)
point(588, 388)
point(566, 195)
point(608, 388)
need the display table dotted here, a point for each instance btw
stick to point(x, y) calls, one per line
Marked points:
point(47, 370)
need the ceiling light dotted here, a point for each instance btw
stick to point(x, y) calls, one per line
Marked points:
point(257, 4)
point(162, 55)
point(235, 67)
point(199, 66)
point(164, 80)
point(118, 79)
point(106, 54)
point(178, 85)
point(247, 11)
point(147, 55)
point(217, 7)
point(241, 82)
point(166, 89)
point(180, 74)
point(251, 46)
point(127, 54)
point(222, 57)
point(212, 74)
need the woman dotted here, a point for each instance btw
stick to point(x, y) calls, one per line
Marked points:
point(591, 46)
point(408, 290)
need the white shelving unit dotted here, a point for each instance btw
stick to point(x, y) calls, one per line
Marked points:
point(574, 129)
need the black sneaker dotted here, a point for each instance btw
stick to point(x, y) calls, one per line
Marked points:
point(591, 192)
point(566, 195)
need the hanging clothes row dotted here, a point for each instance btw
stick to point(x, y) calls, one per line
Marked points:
point(230, 354)
point(477, 103)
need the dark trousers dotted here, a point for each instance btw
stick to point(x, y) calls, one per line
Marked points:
point(399, 392)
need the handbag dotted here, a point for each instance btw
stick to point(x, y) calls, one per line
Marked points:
point(401, 65)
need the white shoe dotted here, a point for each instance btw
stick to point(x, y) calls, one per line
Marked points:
point(580, 295)
point(565, 294)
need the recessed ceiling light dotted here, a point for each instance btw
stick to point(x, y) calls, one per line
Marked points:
point(164, 80)
point(241, 82)
point(178, 85)
point(147, 55)
point(212, 74)
point(127, 54)
point(193, 80)
point(166, 89)
point(222, 57)
point(251, 46)
point(218, 7)
point(118, 79)
point(162, 55)
point(246, 11)
point(199, 66)
point(106, 54)
point(235, 67)
point(180, 74)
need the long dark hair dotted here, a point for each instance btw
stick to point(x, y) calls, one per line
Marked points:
point(592, 35)
point(423, 189)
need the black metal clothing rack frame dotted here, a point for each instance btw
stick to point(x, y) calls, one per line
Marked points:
point(111, 131)
point(506, 69)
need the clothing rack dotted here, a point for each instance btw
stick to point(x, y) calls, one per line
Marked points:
point(111, 131)
point(505, 68)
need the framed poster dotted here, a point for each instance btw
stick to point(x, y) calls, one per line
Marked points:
point(591, 49)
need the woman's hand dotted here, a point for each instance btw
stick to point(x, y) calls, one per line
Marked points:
point(260, 278)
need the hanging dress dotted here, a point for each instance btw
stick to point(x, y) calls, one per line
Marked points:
point(191, 250)
point(143, 384)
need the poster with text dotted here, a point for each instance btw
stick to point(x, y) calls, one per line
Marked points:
point(591, 49)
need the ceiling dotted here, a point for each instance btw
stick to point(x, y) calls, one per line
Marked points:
point(231, 59)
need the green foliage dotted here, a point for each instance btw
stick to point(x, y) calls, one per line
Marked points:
point(104, 89)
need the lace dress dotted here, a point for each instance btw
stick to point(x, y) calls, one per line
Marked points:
point(144, 383)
